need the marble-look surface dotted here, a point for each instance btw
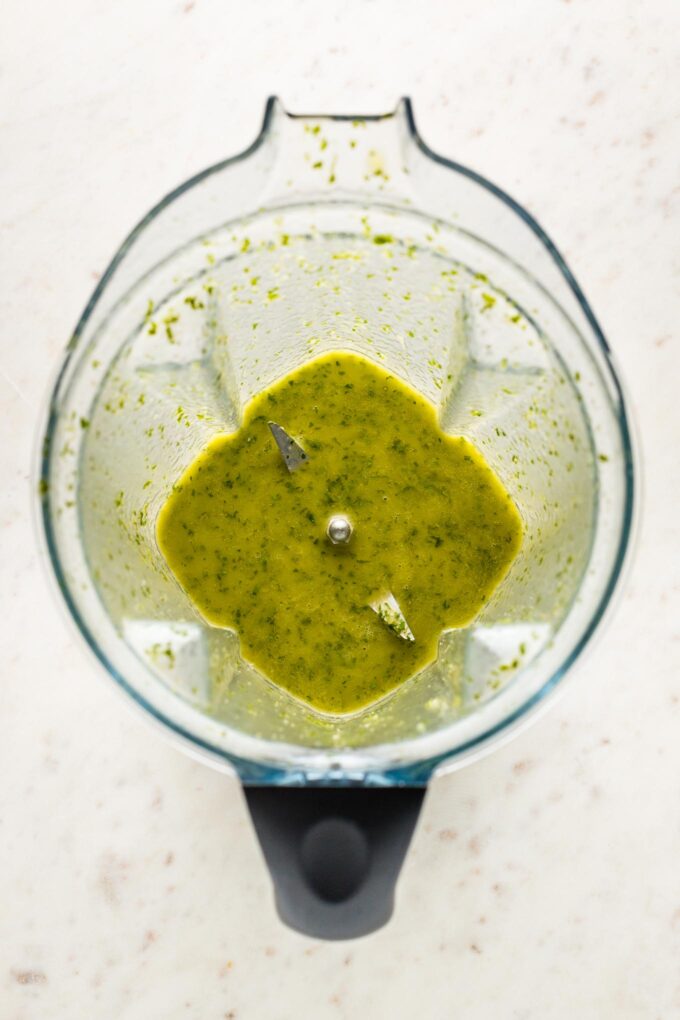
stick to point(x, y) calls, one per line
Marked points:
point(544, 881)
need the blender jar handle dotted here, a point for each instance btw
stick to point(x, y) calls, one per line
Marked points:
point(334, 853)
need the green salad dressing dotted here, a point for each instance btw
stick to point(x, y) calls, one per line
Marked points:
point(247, 541)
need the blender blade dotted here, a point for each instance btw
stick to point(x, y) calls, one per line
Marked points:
point(389, 611)
point(293, 454)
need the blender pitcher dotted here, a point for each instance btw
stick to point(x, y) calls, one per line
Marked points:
point(327, 234)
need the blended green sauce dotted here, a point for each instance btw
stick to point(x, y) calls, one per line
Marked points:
point(246, 539)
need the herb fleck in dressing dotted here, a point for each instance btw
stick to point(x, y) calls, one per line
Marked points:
point(247, 540)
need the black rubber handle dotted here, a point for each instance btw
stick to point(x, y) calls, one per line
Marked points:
point(334, 853)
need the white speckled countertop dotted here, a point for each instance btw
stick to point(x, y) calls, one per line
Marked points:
point(543, 882)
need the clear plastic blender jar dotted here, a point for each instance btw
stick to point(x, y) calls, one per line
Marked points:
point(336, 233)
